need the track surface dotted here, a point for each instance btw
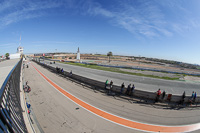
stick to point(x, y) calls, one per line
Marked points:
point(56, 113)
point(5, 68)
point(141, 83)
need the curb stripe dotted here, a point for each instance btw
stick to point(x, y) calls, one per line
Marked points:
point(120, 120)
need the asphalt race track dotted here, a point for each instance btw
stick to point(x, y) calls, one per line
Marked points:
point(57, 113)
point(141, 83)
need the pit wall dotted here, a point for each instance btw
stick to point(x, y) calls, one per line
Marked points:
point(144, 95)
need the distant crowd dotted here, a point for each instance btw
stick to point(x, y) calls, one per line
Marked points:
point(129, 91)
point(159, 95)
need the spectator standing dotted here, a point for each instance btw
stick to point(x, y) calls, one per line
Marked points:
point(132, 90)
point(158, 95)
point(111, 84)
point(70, 73)
point(122, 88)
point(128, 89)
point(106, 83)
point(191, 98)
point(192, 95)
point(163, 95)
point(195, 96)
point(183, 98)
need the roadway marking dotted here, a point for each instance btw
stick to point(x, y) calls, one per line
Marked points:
point(120, 120)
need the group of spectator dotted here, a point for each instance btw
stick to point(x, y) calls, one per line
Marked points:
point(51, 62)
point(129, 90)
point(159, 95)
point(59, 70)
point(190, 100)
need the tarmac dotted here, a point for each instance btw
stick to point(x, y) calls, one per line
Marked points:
point(5, 68)
point(141, 83)
point(55, 112)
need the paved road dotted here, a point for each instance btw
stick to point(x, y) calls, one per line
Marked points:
point(5, 68)
point(141, 83)
point(56, 113)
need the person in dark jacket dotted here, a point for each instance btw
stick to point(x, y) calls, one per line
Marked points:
point(132, 90)
point(128, 89)
point(163, 95)
point(195, 96)
point(182, 98)
point(122, 88)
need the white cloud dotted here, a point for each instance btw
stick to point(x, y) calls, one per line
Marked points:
point(8, 45)
point(148, 18)
point(101, 11)
point(141, 18)
point(53, 42)
point(14, 11)
point(144, 19)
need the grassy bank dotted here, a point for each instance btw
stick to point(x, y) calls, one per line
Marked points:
point(94, 66)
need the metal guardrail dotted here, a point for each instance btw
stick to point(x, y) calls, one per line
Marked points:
point(11, 118)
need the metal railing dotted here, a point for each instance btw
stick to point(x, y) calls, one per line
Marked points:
point(11, 118)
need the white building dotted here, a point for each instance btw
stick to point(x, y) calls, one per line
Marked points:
point(78, 55)
point(20, 50)
point(15, 56)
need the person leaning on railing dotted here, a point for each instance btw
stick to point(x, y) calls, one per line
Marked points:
point(128, 89)
point(132, 90)
point(106, 83)
point(111, 86)
point(158, 95)
point(182, 98)
point(122, 87)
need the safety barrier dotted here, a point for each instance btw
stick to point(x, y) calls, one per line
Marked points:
point(11, 118)
point(137, 93)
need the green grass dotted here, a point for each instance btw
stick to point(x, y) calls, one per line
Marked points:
point(94, 66)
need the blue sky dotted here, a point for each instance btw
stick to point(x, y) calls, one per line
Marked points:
point(157, 28)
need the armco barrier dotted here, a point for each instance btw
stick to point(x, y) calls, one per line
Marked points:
point(11, 118)
point(117, 89)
